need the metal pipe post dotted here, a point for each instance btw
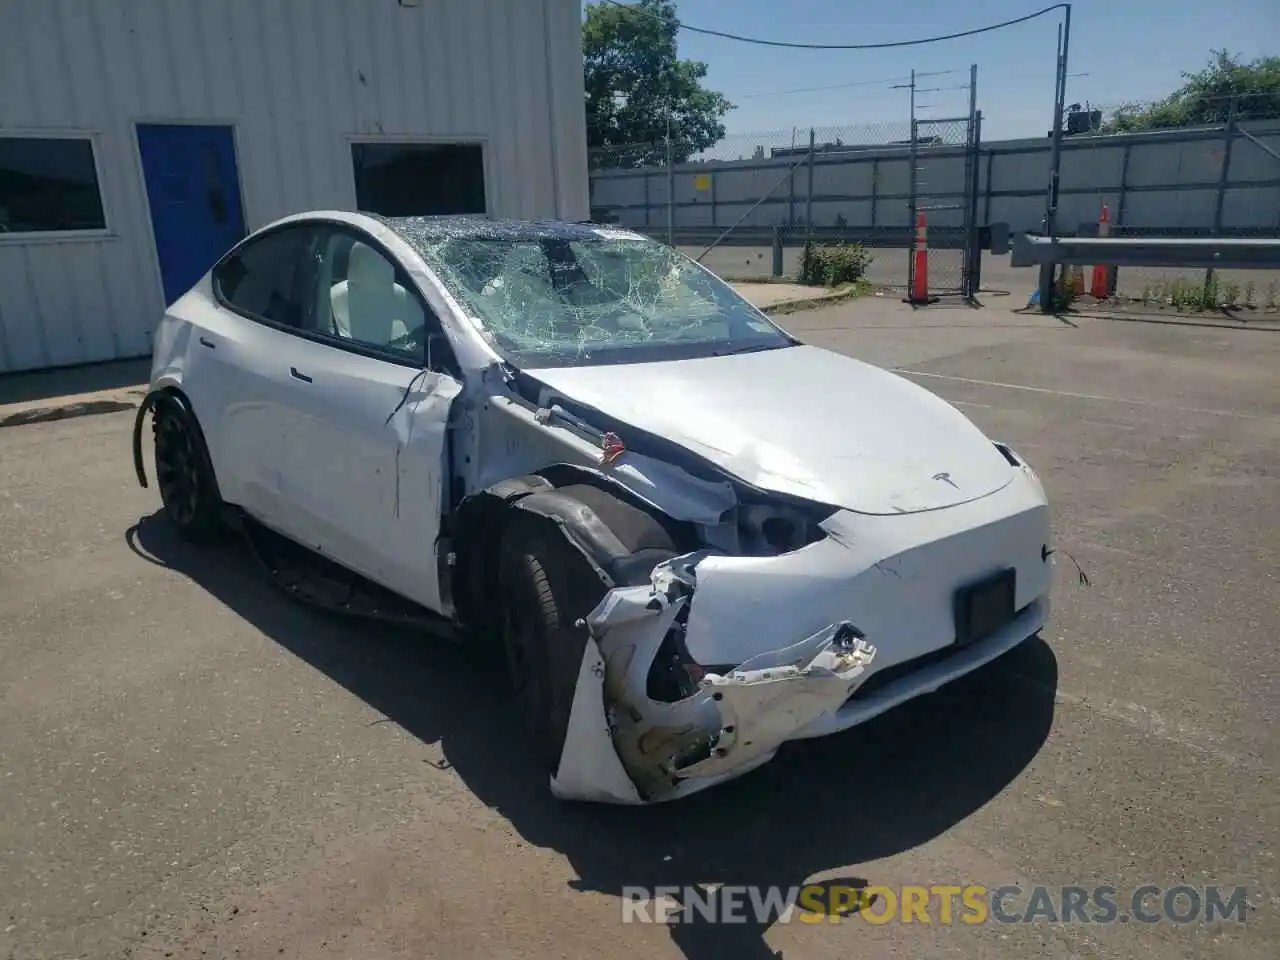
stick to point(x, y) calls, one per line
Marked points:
point(1224, 176)
point(911, 179)
point(808, 203)
point(1055, 159)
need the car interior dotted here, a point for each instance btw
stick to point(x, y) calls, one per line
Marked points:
point(359, 298)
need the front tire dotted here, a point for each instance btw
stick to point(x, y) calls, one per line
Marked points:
point(184, 474)
point(547, 586)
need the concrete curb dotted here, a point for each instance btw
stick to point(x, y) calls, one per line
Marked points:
point(67, 408)
point(813, 303)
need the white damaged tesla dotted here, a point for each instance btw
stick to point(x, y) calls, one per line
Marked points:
point(694, 537)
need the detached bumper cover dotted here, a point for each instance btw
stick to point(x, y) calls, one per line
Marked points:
point(623, 747)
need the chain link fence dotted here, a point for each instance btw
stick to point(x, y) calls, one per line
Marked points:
point(1177, 169)
point(747, 205)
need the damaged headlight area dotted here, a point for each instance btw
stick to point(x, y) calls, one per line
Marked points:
point(648, 724)
point(767, 527)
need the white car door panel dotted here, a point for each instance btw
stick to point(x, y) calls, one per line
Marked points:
point(328, 429)
point(362, 485)
point(255, 424)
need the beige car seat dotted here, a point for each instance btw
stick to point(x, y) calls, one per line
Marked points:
point(369, 306)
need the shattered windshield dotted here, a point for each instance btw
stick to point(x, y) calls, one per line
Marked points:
point(609, 298)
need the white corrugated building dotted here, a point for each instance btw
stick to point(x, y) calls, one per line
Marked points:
point(140, 138)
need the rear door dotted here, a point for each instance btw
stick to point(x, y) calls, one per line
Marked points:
point(259, 295)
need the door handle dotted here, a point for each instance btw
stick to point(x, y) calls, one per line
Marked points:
point(299, 375)
point(206, 342)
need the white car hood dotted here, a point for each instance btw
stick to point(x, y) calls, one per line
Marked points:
point(803, 421)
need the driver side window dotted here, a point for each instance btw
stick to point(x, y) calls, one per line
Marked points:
point(362, 297)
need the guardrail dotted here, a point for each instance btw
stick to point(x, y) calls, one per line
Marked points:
point(993, 238)
point(1226, 253)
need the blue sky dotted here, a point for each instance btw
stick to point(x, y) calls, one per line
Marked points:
point(1127, 50)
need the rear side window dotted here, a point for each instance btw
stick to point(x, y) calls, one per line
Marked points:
point(262, 278)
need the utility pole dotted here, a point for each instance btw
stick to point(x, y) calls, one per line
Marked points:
point(911, 177)
point(1055, 158)
point(913, 201)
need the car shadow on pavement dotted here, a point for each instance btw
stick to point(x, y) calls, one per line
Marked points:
point(821, 807)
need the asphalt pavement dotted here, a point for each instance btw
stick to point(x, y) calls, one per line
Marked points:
point(193, 766)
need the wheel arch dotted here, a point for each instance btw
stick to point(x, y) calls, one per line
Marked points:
point(621, 536)
point(168, 393)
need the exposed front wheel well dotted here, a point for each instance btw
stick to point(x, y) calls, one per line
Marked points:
point(621, 537)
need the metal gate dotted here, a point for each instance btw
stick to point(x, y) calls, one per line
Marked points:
point(944, 188)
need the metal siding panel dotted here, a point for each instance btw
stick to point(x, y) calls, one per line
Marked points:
point(131, 314)
point(23, 329)
point(52, 278)
point(289, 110)
point(385, 74)
point(419, 52)
point(187, 54)
point(453, 35)
point(504, 119)
point(342, 110)
point(17, 108)
point(261, 167)
point(133, 277)
point(53, 104)
point(567, 94)
point(363, 59)
point(116, 302)
point(145, 47)
point(530, 93)
point(475, 40)
point(413, 30)
point(212, 26)
point(313, 115)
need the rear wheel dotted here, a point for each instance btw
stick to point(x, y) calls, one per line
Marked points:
point(183, 473)
point(547, 586)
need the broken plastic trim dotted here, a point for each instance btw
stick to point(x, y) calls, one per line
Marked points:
point(1008, 454)
point(624, 747)
point(145, 407)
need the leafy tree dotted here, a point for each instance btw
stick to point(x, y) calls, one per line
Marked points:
point(638, 89)
point(1206, 97)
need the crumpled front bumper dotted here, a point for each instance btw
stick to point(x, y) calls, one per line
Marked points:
point(623, 747)
point(799, 665)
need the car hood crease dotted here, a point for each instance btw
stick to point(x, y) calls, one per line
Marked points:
point(801, 421)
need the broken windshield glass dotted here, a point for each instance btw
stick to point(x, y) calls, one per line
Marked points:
point(607, 299)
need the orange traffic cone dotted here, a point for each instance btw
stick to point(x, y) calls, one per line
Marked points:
point(1100, 285)
point(920, 277)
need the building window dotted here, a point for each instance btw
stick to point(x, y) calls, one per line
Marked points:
point(419, 179)
point(49, 184)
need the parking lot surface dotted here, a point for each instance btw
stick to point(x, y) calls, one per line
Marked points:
point(191, 765)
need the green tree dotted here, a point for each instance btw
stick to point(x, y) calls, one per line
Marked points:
point(1206, 98)
point(638, 88)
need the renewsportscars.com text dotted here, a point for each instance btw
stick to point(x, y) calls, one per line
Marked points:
point(941, 904)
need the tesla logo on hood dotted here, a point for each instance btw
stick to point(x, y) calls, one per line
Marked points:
point(945, 478)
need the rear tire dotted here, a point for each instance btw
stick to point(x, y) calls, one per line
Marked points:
point(547, 586)
point(184, 474)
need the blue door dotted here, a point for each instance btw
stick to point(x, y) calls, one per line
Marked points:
point(194, 193)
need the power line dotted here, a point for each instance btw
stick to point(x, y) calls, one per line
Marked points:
point(840, 86)
point(839, 46)
point(834, 86)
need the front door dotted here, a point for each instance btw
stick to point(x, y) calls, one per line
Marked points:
point(194, 194)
